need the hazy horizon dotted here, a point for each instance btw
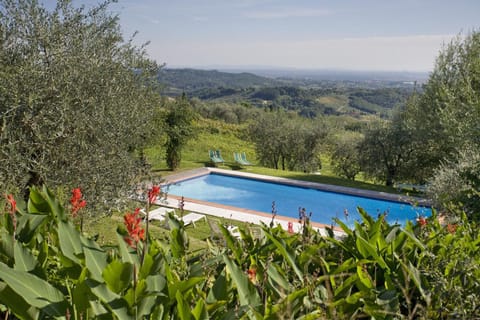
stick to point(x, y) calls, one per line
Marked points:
point(369, 35)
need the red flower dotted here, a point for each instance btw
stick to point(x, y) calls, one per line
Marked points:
point(422, 221)
point(153, 194)
point(135, 232)
point(451, 228)
point(76, 201)
point(12, 210)
point(13, 204)
point(252, 275)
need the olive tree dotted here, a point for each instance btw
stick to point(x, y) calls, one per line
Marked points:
point(178, 122)
point(345, 155)
point(443, 120)
point(386, 151)
point(287, 141)
point(75, 99)
point(444, 116)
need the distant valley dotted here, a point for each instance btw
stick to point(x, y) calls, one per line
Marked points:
point(310, 93)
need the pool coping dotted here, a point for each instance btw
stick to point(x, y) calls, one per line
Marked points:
point(257, 217)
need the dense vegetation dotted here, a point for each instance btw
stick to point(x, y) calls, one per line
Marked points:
point(73, 112)
point(49, 269)
point(83, 108)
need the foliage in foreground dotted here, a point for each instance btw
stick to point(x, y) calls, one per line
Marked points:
point(49, 269)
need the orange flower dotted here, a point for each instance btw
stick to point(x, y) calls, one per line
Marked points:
point(76, 201)
point(252, 275)
point(422, 221)
point(13, 204)
point(135, 232)
point(153, 194)
point(451, 228)
point(12, 210)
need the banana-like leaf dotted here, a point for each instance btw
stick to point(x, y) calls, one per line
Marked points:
point(113, 302)
point(291, 303)
point(16, 304)
point(55, 207)
point(364, 277)
point(24, 260)
point(96, 262)
point(200, 311)
point(247, 293)
point(183, 308)
point(70, 242)
point(183, 286)
point(28, 225)
point(219, 290)
point(367, 251)
point(128, 254)
point(155, 283)
point(38, 292)
point(118, 275)
point(277, 278)
point(37, 204)
point(287, 255)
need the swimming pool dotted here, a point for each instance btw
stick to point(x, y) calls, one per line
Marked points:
point(286, 200)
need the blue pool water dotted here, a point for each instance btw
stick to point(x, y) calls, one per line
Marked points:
point(258, 195)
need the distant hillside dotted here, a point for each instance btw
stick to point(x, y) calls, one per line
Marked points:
point(189, 80)
point(310, 98)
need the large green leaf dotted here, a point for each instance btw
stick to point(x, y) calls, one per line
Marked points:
point(127, 253)
point(28, 225)
point(110, 300)
point(247, 293)
point(183, 308)
point(200, 310)
point(24, 260)
point(70, 242)
point(369, 251)
point(16, 304)
point(36, 291)
point(290, 303)
point(118, 275)
point(156, 283)
point(36, 203)
point(6, 244)
point(290, 259)
point(96, 262)
point(277, 278)
point(183, 286)
point(219, 290)
point(55, 207)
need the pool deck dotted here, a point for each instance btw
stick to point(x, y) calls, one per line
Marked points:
point(256, 217)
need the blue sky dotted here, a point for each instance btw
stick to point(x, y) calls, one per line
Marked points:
point(402, 35)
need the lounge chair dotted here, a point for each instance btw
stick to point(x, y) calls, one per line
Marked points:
point(192, 217)
point(238, 159)
point(214, 158)
point(219, 156)
point(244, 159)
point(157, 214)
